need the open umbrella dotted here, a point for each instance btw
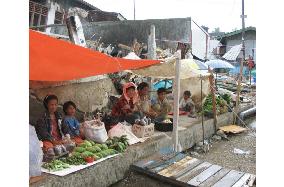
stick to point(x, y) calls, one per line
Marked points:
point(198, 65)
point(163, 84)
point(218, 64)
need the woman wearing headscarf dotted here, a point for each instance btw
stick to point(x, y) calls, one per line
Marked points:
point(126, 107)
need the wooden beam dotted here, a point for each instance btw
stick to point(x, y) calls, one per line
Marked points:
point(169, 162)
point(215, 178)
point(196, 181)
point(211, 81)
point(189, 166)
point(230, 179)
point(243, 180)
point(195, 171)
point(177, 166)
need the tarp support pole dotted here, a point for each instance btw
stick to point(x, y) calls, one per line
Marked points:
point(211, 77)
point(202, 111)
point(176, 102)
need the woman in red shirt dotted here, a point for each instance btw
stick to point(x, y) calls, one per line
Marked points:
point(126, 108)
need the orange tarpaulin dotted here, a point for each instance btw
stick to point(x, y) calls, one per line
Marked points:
point(56, 60)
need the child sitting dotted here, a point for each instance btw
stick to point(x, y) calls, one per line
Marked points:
point(186, 104)
point(71, 122)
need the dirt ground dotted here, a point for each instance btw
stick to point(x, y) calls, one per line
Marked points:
point(221, 153)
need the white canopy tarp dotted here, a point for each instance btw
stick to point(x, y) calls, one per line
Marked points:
point(167, 70)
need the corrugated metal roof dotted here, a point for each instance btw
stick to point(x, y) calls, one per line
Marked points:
point(88, 4)
point(233, 53)
point(98, 15)
point(235, 32)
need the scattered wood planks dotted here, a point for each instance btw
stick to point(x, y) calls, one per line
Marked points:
point(183, 170)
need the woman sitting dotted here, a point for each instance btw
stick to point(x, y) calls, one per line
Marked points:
point(125, 109)
point(144, 103)
point(49, 128)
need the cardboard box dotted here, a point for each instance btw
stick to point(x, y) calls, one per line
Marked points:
point(143, 131)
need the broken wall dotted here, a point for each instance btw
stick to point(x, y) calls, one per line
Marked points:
point(124, 32)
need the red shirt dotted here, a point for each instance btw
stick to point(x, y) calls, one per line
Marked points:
point(119, 110)
point(54, 129)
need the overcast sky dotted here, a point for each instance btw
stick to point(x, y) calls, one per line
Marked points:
point(211, 13)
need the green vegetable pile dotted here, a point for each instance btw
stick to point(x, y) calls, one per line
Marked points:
point(89, 149)
point(118, 143)
point(55, 165)
point(221, 104)
point(92, 149)
point(74, 160)
point(227, 98)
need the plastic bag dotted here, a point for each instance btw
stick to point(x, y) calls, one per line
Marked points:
point(35, 154)
point(120, 130)
point(95, 130)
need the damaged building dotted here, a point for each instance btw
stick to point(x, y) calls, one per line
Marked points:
point(105, 31)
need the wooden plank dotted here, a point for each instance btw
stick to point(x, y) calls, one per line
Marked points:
point(195, 171)
point(175, 167)
point(189, 166)
point(159, 177)
point(204, 175)
point(252, 180)
point(215, 178)
point(212, 90)
point(168, 163)
point(157, 158)
point(161, 161)
point(228, 180)
point(243, 180)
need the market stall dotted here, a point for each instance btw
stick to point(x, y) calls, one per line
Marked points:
point(49, 57)
point(56, 60)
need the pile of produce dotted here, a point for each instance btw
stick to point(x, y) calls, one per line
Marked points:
point(118, 143)
point(91, 149)
point(227, 98)
point(88, 152)
point(55, 165)
point(221, 105)
point(74, 160)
